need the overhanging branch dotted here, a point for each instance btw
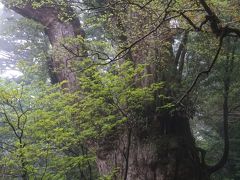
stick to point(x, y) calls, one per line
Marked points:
point(203, 72)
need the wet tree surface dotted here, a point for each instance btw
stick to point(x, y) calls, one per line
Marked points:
point(128, 79)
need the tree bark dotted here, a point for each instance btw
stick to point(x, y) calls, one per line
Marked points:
point(164, 150)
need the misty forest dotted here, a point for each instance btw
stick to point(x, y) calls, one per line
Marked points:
point(120, 89)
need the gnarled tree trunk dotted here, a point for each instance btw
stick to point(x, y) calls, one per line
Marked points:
point(58, 31)
point(162, 147)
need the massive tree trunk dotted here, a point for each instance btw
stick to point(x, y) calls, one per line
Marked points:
point(59, 31)
point(165, 150)
point(160, 147)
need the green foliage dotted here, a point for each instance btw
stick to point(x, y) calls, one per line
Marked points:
point(112, 97)
point(38, 132)
point(41, 125)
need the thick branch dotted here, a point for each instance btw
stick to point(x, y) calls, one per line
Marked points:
point(216, 27)
point(44, 15)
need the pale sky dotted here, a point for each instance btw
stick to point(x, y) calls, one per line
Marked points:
point(7, 73)
point(1, 5)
